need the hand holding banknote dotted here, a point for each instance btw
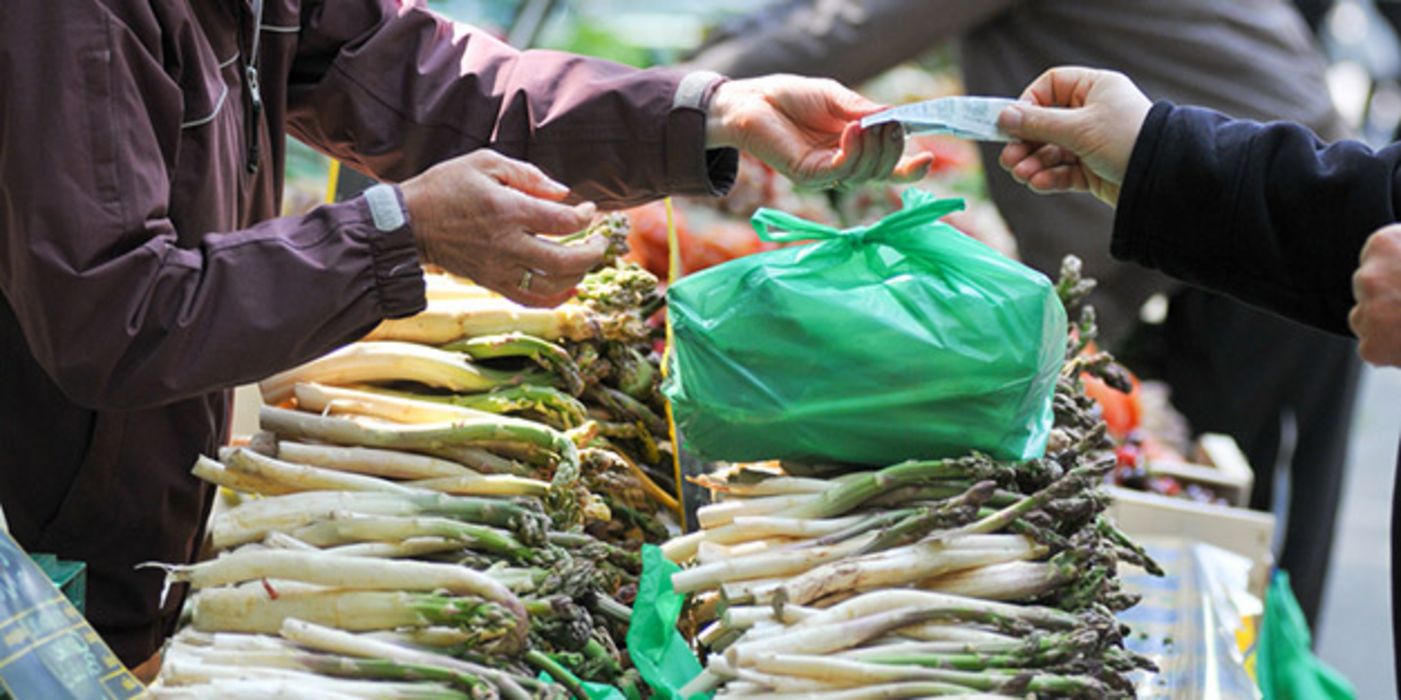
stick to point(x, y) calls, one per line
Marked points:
point(1077, 128)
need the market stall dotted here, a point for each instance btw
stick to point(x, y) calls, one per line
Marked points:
point(936, 484)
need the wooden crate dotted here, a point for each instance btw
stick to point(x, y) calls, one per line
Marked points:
point(1246, 532)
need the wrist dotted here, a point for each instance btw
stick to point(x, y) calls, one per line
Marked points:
point(717, 126)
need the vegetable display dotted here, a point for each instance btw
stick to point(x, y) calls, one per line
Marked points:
point(953, 576)
point(446, 509)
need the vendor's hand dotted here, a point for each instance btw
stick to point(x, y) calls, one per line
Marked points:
point(1377, 287)
point(478, 216)
point(808, 129)
point(1077, 128)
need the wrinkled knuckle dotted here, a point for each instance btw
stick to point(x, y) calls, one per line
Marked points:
point(1370, 281)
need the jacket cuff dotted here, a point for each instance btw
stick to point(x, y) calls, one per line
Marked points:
point(1131, 241)
point(691, 168)
point(398, 274)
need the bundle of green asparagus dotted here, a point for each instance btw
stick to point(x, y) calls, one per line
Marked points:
point(954, 576)
point(421, 521)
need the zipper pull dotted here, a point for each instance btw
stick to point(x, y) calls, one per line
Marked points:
point(254, 118)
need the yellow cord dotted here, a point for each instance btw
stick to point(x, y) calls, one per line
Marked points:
point(333, 177)
point(673, 246)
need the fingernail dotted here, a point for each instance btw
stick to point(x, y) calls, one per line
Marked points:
point(1011, 118)
point(587, 209)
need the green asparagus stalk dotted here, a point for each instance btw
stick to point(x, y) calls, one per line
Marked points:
point(544, 353)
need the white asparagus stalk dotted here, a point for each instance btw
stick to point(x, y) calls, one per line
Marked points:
point(724, 513)
point(762, 565)
point(253, 609)
point(1013, 580)
point(326, 569)
point(844, 672)
point(884, 691)
point(412, 547)
point(372, 461)
point(301, 477)
point(253, 520)
point(710, 552)
point(443, 287)
point(338, 531)
point(192, 638)
point(437, 637)
point(706, 681)
point(883, 601)
point(484, 485)
point(383, 361)
point(782, 684)
point(189, 671)
point(249, 689)
point(445, 321)
point(796, 527)
point(216, 473)
point(922, 648)
point(282, 540)
point(773, 486)
point(826, 638)
point(895, 567)
point(319, 398)
point(950, 632)
point(746, 616)
point(734, 689)
point(322, 638)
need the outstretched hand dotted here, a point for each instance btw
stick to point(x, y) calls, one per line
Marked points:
point(1077, 128)
point(808, 129)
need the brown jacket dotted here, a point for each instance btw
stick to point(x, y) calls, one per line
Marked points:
point(143, 273)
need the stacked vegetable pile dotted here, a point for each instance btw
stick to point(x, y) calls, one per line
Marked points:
point(443, 510)
point(923, 578)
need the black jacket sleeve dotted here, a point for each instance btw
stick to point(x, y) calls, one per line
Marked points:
point(1266, 213)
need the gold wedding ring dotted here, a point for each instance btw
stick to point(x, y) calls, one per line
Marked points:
point(526, 276)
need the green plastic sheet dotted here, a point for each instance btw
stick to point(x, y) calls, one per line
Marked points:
point(1287, 668)
point(658, 650)
point(595, 691)
point(902, 339)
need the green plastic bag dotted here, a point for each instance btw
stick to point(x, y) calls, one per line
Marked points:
point(904, 339)
point(1288, 670)
point(657, 649)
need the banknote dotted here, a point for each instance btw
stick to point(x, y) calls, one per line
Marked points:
point(972, 118)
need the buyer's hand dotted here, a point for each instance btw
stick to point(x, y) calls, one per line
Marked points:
point(808, 129)
point(1377, 287)
point(1077, 128)
point(479, 215)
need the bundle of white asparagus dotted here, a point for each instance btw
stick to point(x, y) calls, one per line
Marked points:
point(438, 521)
point(944, 577)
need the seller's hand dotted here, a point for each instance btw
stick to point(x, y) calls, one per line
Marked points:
point(1077, 128)
point(478, 216)
point(808, 129)
point(1377, 287)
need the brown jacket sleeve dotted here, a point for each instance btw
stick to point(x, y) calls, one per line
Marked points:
point(392, 88)
point(119, 307)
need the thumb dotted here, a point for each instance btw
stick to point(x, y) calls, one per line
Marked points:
point(1037, 124)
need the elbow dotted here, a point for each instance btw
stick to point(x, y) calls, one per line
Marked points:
point(99, 385)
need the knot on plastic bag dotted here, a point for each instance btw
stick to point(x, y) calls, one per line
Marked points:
point(920, 208)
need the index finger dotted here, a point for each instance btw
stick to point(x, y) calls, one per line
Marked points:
point(560, 260)
point(1057, 86)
